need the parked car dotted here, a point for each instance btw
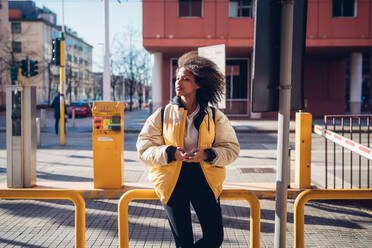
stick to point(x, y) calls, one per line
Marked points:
point(81, 109)
point(90, 101)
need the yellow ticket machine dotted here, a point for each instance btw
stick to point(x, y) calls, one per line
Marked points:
point(108, 144)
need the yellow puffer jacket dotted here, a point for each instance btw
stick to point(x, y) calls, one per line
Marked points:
point(154, 139)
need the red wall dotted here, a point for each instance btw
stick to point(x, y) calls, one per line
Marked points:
point(153, 19)
point(344, 27)
point(329, 41)
point(161, 21)
point(324, 86)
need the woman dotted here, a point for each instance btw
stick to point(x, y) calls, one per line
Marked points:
point(188, 144)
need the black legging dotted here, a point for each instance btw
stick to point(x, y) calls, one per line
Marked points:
point(193, 188)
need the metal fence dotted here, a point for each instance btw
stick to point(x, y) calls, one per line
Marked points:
point(353, 163)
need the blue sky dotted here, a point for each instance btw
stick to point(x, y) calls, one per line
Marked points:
point(86, 17)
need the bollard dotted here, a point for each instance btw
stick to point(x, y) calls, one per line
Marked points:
point(303, 150)
point(43, 116)
point(73, 117)
point(38, 132)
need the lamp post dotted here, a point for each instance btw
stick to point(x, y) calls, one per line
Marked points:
point(106, 72)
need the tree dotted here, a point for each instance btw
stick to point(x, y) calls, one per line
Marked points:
point(131, 61)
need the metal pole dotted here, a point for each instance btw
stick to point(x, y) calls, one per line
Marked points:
point(38, 132)
point(43, 116)
point(106, 72)
point(73, 117)
point(62, 79)
point(283, 123)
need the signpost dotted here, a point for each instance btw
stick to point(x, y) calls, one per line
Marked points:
point(278, 57)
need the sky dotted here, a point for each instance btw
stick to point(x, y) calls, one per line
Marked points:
point(86, 17)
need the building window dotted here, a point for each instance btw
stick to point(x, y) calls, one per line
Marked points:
point(189, 8)
point(54, 34)
point(69, 57)
point(343, 8)
point(240, 8)
point(17, 46)
point(16, 28)
point(69, 42)
point(236, 79)
point(366, 67)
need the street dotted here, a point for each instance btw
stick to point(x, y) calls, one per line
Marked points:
point(50, 223)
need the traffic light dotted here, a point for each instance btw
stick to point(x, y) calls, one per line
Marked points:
point(33, 68)
point(24, 67)
point(56, 51)
point(14, 73)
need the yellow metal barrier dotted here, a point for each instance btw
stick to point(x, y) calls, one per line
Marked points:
point(321, 194)
point(72, 195)
point(303, 150)
point(227, 194)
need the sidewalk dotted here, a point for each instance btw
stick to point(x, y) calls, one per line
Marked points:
point(134, 122)
point(50, 223)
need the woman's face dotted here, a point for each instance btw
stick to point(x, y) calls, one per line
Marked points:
point(185, 83)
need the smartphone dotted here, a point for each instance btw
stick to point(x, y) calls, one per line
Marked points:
point(190, 154)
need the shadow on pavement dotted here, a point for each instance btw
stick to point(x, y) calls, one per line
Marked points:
point(62, 178)
point(18, 243)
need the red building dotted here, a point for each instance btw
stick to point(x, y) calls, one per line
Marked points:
point(337, 74)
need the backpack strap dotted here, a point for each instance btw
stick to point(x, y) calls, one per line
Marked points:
point(213, 114)
point(162, 118)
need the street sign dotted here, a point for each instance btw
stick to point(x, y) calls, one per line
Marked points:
point(218, 55)
point(266, 56)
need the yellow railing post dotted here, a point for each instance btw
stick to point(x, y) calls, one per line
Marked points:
point(320, 194)
point(146, 194)
point(251, 198)
point(72, 195)
point(125, 199)
point(303, 150)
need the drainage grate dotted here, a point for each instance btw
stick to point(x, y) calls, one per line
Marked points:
point(256, 170)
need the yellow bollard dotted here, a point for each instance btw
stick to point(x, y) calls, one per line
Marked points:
point(303, 150)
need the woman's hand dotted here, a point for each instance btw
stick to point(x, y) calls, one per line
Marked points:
point(179, 154)
point(195, 156)
point(198, 156)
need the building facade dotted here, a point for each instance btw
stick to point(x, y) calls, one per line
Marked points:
point(32, 30)
point(337, 68)
point(4, 50)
